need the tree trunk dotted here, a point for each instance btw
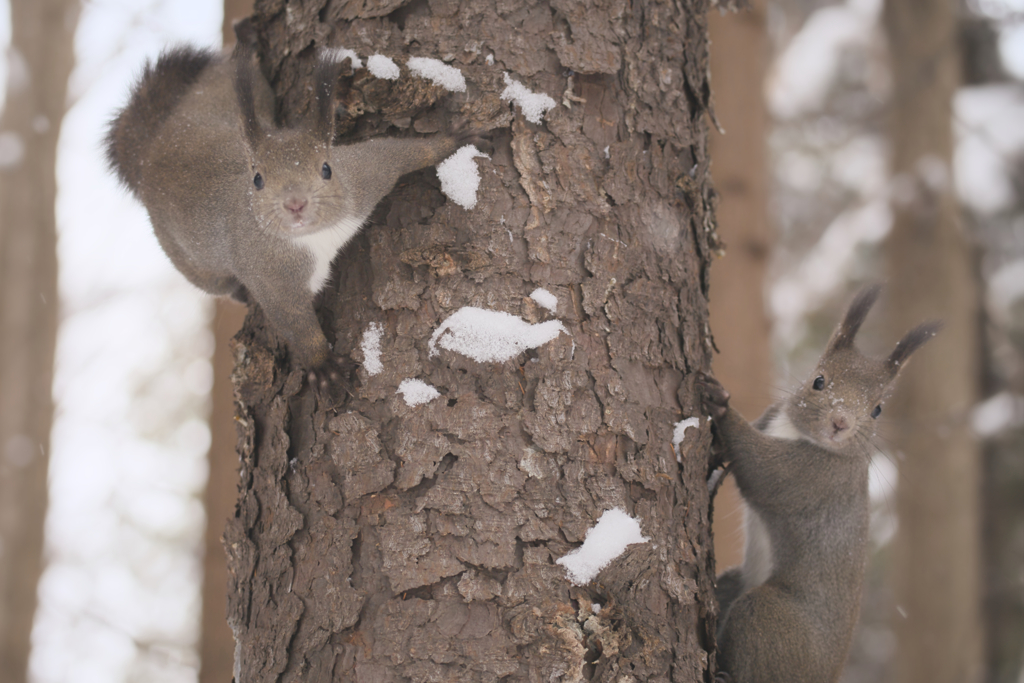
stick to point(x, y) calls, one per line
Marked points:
point(931, 275)
point(39, 62)
point(375, 541)
point(739, 55)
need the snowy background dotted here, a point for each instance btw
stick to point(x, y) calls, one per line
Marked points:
point(119, 600)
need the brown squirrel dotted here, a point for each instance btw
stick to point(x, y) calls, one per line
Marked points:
point(247, 209)
point(788, 613)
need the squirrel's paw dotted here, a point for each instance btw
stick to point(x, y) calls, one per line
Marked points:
point(467, 133)
point(330, 378)
point(715, 397)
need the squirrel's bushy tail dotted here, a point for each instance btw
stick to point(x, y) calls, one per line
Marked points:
point(154, 97)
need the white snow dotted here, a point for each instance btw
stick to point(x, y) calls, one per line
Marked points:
point(340, 53)
point(1005, 287)
point(545, 298)
point(799, 81)
point(988, 134)
point(825, 267)
point(119, 596)
point(680, 433)
point(1011, 47)
point(534, 105)
point(605, 541)
point(371, 349)
point(997, 414)
point(460, 178)
point(383, 67)
point(416, 392)
point(491, 336)
point(436, 71)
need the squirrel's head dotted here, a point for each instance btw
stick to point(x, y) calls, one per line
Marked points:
point(294, 190)
point(838, 405)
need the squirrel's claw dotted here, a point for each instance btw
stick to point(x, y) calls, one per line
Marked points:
point(329, 379)
point(468, 133)
point(715, 397)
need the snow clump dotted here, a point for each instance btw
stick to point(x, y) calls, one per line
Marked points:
point(460, 178)
point(383, 67)
point(534, 105)
point(605, 541)
point(439, 73)
point(680, 433)
point(371, 349)
point(416, 392)
point(545, 299)
point(491, 336)
point(339, 54)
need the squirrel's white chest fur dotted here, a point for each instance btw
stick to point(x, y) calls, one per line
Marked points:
point(324, 245)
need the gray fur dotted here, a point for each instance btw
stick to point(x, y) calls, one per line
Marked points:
point(788, 613)
point(196, 131)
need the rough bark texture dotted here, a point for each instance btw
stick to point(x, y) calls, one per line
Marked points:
point(39, 63)
point(739, 58)
point(380, 542)
point(938, 545)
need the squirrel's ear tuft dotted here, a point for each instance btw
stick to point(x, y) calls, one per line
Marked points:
point(245, 89)
point(854, 318)
point(911, 342)
point(325, 77)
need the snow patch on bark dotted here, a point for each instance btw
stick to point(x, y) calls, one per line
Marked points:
point(338, 54)
point(371, 349)
point(491, 336)
point(460, 178)
point(439, 73)
point(417, 392)
point(533, 105)
point(605, 541)
point(383, 67)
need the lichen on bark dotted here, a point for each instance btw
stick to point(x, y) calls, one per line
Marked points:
point(377, 541)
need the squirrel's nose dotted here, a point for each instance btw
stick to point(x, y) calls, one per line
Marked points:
point(840, 422)
point(295, 204)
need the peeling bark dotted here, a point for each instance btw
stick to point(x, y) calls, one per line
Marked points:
point(375, 541)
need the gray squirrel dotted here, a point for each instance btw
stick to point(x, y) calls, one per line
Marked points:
point(244, 208)
point(788, 613)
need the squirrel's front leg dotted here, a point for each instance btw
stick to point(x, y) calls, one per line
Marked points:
point(754, 458)
point(735, 433)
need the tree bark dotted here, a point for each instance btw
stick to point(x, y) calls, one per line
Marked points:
point(931, 275)
point(39, 63)
point(375, 541)
point(739, 55)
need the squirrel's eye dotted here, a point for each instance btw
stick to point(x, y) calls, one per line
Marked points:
point(258, 181)
point(876, 412)
point(326, 171)
point(819, 383)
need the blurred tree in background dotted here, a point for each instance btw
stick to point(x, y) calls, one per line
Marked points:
point(932, 274)
point(39, 63)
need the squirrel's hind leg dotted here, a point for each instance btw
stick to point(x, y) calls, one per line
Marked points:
point(766, 638)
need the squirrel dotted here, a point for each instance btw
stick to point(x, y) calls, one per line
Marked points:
point(247, 209)
point(788, 613)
